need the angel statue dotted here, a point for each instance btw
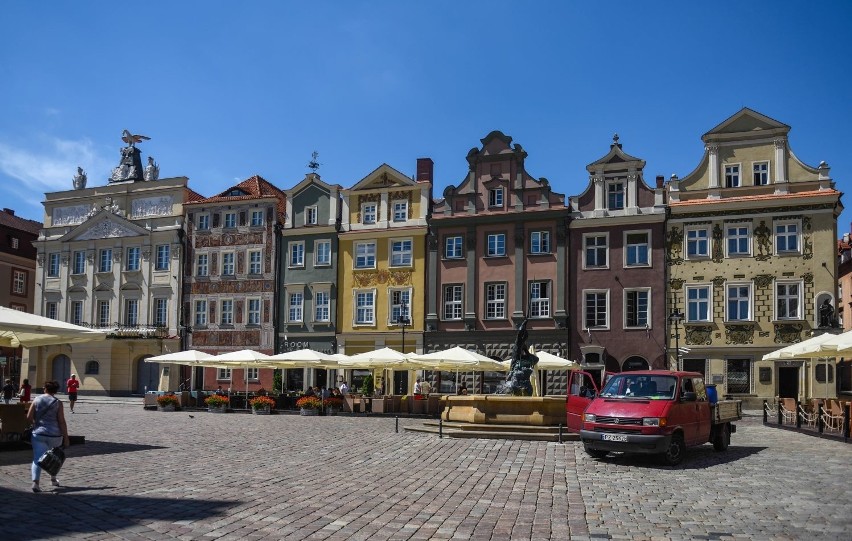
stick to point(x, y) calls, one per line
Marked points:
point(79, 179)
point(152, 170)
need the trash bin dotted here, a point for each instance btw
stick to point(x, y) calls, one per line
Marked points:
point(712, 395)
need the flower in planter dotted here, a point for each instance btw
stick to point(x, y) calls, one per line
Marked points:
point(333, 402)
point(216, 401)
point(309, 403)
point(262, 402)
point(167, 400)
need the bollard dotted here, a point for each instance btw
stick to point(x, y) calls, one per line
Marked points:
point(560, 432)
point(846, 412)
point(798, 417)
point(397, 424)
point(819, 418)
point(440, 427)
point(765, 413)
point(779, 411)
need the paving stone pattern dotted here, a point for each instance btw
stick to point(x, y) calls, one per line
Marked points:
point(148, 475)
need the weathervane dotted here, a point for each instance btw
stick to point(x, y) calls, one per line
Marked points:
point(313, 165)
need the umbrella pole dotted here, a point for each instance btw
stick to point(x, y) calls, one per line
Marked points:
point(245, 374)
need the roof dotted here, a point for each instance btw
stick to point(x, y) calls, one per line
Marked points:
point(8, 219)
point(255, 187)
point(763, 197)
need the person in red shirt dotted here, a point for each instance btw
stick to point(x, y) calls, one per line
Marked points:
point(26, 389)
point(72, 384)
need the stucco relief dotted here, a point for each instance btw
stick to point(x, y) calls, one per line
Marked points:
point(718, 244)
point(230, 286)
point(70, 215)
point(763, 280)
point(106, 229)
point(739, 334)
point(382, 276)
point(151, 206)
point(808, 277)
point(676, 283)
point(807, 248)
point(674, 245)
point(699, 335)
point(764, 241)
point(788, 333)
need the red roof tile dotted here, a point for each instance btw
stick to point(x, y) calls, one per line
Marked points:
point(256, 187)
point(21, 224)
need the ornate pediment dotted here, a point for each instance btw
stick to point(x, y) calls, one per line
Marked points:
point(105, 227)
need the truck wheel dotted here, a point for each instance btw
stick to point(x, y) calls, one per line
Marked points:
point(723, 438)
point(674, 453)
point(595, 453)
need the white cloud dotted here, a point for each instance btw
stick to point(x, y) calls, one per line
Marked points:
point(50, 167)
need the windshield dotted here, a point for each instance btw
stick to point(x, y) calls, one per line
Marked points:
point(636, 385)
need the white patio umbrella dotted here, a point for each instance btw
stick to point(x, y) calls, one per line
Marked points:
point(549, 361)
point(458, 359)
point(245, 358)
point(29, 330)
point(181, 357)
point(384, 359)
point(801, 349)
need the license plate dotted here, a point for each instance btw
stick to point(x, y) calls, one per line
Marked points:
point(614, 437)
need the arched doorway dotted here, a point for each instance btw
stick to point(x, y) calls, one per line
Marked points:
point(635, 363)
point(147, 376)
point(61, 371)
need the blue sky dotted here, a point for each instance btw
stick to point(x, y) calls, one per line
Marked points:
point(227, 90)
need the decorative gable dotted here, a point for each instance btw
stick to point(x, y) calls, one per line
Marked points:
point(746, 123)
point(384, 177)
point(105, 225)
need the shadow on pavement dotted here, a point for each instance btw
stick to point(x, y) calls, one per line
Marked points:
point(696, 458)
point(24, 455)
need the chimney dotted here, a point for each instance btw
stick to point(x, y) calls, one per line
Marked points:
point(660, 181)
point(9, 211)
point(425, 169)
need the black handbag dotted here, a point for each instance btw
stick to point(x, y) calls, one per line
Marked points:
point(27, 434)
point(52, 459)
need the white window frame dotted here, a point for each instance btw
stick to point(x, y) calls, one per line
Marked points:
point(453, 302)
point(698, 302)
point(539, 305)
point(495, 197)
point(255, 262)
point(733, 175)
point(738, 236)
point(498, 249)
point(256, 218)
point(648, 320)
point(19, 282)
point(203, 222)
point(495, 300)
point(322, 253)
point(311, 215)
point(749, 299)
point(223, 374)
point(399, 304)
point(619, 193)
point(15, 243)
point(628, 246)
point(133, 255)
point(105, 260)
point(364, 254)
point(296, 255)
point(254, 311)
point(161, 312)
point(163, 257)
point(226, 311)
point(451, 244)
point(364, 314)
point(200, 313)
point(77, 312)
point(322, 310)
point(402, 252)
point(103, 313)
point(229, 220)
point(251, 373)
point(202, 265)
point(760, 177)
point(697, 241)
point(606, 312)
point(540, 242)
point(369, 213)
point(51, 310)
point(596, 247)
point(131, 312)
point(78, 262)
point(229, 264)
point(400, 210)
point(776, 236)
point(798, 297)
point(53, 265)
point(295, 306)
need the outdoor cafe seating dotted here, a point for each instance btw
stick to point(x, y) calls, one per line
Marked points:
point(13, 421)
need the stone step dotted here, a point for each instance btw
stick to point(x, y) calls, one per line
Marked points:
point(495, 432)
point(494, 427)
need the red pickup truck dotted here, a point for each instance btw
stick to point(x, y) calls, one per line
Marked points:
point(651, 412)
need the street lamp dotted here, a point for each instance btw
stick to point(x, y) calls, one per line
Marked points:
point(676, 317)
point(403, 320)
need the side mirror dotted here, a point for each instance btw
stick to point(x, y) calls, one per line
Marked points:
point(689, 397)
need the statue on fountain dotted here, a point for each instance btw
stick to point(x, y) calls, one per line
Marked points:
point(521, 367)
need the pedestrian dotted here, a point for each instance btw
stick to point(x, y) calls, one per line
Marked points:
point(72, 385)
point(8, 391)
point(344, 388)
point(418, 388)
point(425, 387)
point(47, 416)
point(26, 390)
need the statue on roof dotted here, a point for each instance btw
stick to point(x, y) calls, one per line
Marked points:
point(130, 166)
point(79, 179)
point(152, 170)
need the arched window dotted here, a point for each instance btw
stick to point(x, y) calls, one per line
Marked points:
point(93, 367)
point(634, 363)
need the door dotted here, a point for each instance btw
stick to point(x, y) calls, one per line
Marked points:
point(788, 382)
point(147, 376)
point(582, 388)
point(61, 371)
point(685, 414)
point(400, 382)
point(320, 377)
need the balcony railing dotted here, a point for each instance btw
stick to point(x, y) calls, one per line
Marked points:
point(121, 330)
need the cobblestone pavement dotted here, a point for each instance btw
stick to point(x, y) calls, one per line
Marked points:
point(148, 475)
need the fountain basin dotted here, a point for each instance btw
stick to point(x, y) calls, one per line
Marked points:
point(505, 410)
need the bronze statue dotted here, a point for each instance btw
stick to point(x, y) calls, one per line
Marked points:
point(521, 367)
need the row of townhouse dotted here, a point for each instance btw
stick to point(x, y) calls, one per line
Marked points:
point(707, 272)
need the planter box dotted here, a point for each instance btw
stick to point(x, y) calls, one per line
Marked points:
point(308, 412)
point(170, 407)
point(219, 409)
point(261, 411)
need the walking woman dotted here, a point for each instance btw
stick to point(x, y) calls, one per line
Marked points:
point(49, 429)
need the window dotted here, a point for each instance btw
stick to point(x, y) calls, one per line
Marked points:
point(400, 305)
point(453, 247)
point(251, 374)
point(739, 240)
point(162, 263)
point(103, 313)
point(105, 260)
point(322, 253)
point(595, 251)
point(400, 211)
point(540, 242)
point(322, 306)
point(788, 300)
point(368, 213)
point(453, 302)
point(698, 303)
point(253, 312)
point(760, 170)
point(595, 309)
point(161, 312)
point(255, 262)
point(310, 216)
point(738, 302)
point(787, 237)
point(203, 222)
point(228, 264)
point(19, 282)
point(227, 312)
point(52, 310)
point(256, 218)
point(732, 176)
point(495, 197)
point(637, 308)
point(200, 313)
point(230, 220)
point(821, 369)
point(364, 307)
point(496, 245)
point(295, 307)
point(78, 265)
point(132, 263)
point(297, 254)
point(92, 367)
point(495, 301)
point(77, 312)
point(202, 267)
point(637, 253)
point(223, 374)
point(738, 375)
point(15, 243)
point(539, 299)
point(401, 253)
point(615, 196)
point(53, 265)
point(131, 312)
point(697, 243)
point(365, 255)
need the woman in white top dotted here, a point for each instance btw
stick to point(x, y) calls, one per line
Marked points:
point(47, 416)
